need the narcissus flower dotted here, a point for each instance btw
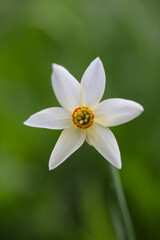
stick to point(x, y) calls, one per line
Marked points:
point(82, 116)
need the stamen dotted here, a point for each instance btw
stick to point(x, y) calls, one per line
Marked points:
point(81, 122)
point(80, 114)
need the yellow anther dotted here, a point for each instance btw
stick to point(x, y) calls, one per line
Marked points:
point(80, 114)
point(87, 116)
point(79, 117)
point(81, 122)
point(85, 120)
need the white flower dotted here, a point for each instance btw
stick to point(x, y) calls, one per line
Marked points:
point(83, 116)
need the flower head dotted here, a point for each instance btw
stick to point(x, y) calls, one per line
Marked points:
point(83, 116)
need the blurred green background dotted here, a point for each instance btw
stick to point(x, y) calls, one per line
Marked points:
point(73, 201)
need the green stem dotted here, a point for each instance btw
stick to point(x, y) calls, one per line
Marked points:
point(129, 230)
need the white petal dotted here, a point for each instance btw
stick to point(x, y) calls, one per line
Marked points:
point(69, 141)
point(52, 118)
point(87, 140)
point(93, 83)
point(105, 143)
point(112, 112)
point(66, 88)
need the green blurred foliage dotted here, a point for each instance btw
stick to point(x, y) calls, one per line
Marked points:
point(72, 201)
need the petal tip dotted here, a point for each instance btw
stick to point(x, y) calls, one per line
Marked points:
point(98, 60)
point(118, 165)
point(54, 65)
point(50, 168)
point(26, 123)
point(141, 108)
point(52, 165)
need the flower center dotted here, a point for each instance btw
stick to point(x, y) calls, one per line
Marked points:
point(82, 117)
